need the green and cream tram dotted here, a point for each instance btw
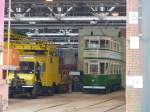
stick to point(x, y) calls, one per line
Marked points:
point(102, 60)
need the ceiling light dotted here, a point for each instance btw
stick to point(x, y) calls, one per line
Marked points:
point(115, 14)
point(49, 0)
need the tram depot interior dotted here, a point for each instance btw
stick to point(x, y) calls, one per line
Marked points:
point(64, 56)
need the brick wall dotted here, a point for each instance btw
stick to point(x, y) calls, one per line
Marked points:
point(134, 62)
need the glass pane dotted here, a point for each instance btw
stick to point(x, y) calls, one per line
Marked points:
point(94, 68)
point(86, 43)
point(86, 68)
point(26, 67)
point(118, 47)
point(106, 68)
point(119, 69)
point(94, 44)
point(112, 69)
point(102, 68)
point(115, 69)
point(115, 46)
point(112, 45)
point(102, 43)
point(107, 44)
point(43, 67)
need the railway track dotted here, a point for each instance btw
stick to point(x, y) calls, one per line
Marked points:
point(113, 108)
point(74, 109)
point(45, 108)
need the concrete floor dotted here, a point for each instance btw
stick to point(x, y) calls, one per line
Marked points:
point(75, 102)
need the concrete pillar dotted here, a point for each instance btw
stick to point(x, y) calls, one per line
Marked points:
point(3, 85)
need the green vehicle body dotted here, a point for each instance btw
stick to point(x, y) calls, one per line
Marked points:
point(91, 81)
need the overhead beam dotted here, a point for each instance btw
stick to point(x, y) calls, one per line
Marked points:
point(71, 18)
point(52, 34)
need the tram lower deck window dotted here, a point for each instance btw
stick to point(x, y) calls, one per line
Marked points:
point(94, 68)
point(86, 67)
point(102, 68)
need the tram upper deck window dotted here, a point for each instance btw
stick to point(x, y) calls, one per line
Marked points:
point(86, 43)
point(110, 44)
point(107, 44)
point(94, 44)
point(115, 46)
point(102, 43)
point(94, 68)
point(118, 49)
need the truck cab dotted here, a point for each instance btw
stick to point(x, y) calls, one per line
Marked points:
point(27, 80)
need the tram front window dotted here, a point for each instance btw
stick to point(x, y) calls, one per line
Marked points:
point(26, 67)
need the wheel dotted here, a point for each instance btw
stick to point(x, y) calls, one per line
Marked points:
point(84, 91)
point(50, 92)
point(34, 91)
point(58, 88)
point(11, 95)
point(107, 90)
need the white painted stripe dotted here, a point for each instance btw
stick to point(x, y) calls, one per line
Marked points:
point(94, 87)
point(27, 86)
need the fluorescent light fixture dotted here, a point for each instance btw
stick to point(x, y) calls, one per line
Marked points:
point(49, 0)
point(111, 9)
point(115, 14)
